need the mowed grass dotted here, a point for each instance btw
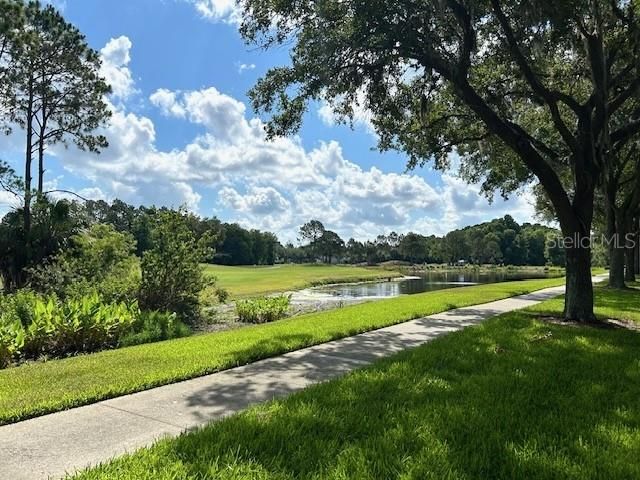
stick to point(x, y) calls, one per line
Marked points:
point(515, 397)
point(251, 281)
point(44, 387)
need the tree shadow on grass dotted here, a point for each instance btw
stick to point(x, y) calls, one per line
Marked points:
point(511, 398)
point(235, 389)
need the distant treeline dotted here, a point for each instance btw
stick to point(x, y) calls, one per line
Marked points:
point(231, 244)
point(500, 241)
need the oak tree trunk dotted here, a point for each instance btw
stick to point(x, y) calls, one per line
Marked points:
point(630, 264)
point(631, 251)
point(579, 291)
point(617, 250)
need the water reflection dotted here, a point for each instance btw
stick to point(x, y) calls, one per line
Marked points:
point(425, 282)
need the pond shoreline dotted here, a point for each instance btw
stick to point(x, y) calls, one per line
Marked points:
point(328, 296)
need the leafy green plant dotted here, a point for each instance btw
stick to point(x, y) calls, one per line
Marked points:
point(77, 325)
point(153, 327)
point(11, 340)
point(264, 309)
point(32, 326)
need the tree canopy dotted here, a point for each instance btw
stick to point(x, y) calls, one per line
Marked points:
point(521, 90)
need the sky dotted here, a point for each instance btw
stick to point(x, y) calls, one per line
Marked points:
point(183, 134)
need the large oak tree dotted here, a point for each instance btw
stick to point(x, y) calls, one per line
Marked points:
point(523, 88)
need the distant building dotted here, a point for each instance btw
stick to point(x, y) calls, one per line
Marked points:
point(462, 263)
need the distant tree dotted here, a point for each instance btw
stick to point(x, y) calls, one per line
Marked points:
point(554, 251)
point(536, 239)
point(310, 233)
point(236, 248)
point(491, 252)
point(271, 248)
point(355, 251)
point(413, 247)
point(455, 247)
point(329, 245)
point(514, 247)
point(434, 249)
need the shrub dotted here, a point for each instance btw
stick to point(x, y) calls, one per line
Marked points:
point(52, 224)
point(154, 327)
point(99, 260)
point(172, 277)
point(263, 310)
point(213, 294)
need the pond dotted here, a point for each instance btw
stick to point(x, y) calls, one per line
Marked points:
point(422, 282)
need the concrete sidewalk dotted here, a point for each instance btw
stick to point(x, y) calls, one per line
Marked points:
point(52, 445)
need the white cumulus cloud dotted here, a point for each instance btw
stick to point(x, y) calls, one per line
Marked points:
point(275, 185)
point(115, 67)
point(226, 11)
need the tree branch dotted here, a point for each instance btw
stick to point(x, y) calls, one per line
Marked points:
point(67, 191)
point(550, 97)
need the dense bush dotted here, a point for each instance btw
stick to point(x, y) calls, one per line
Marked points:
point(99, 260)
point(52, 224)
point(172, 277)
point(263, 310)
point(154, 327)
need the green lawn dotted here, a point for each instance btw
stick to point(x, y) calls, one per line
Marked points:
point(44, 387)
point(247, 281)
point(511, 398)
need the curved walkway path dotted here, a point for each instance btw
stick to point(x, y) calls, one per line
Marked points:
point(59, 443)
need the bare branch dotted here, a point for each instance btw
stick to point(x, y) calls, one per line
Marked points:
point(67, 191)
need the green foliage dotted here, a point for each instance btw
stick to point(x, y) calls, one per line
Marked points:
point(263, 310)
point(172, 277)
point(227, 244)
point(32, 326)
point(222, 294)
point(239, 246)
point(329, 245)
point(98, 260)
point(554, 253)
point(154, 327)
point(53, 224)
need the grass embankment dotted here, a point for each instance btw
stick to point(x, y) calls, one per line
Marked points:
point(44, 387)
point(514, 397)
point(248, 281)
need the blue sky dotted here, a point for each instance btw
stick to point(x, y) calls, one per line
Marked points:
point(183, 133)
